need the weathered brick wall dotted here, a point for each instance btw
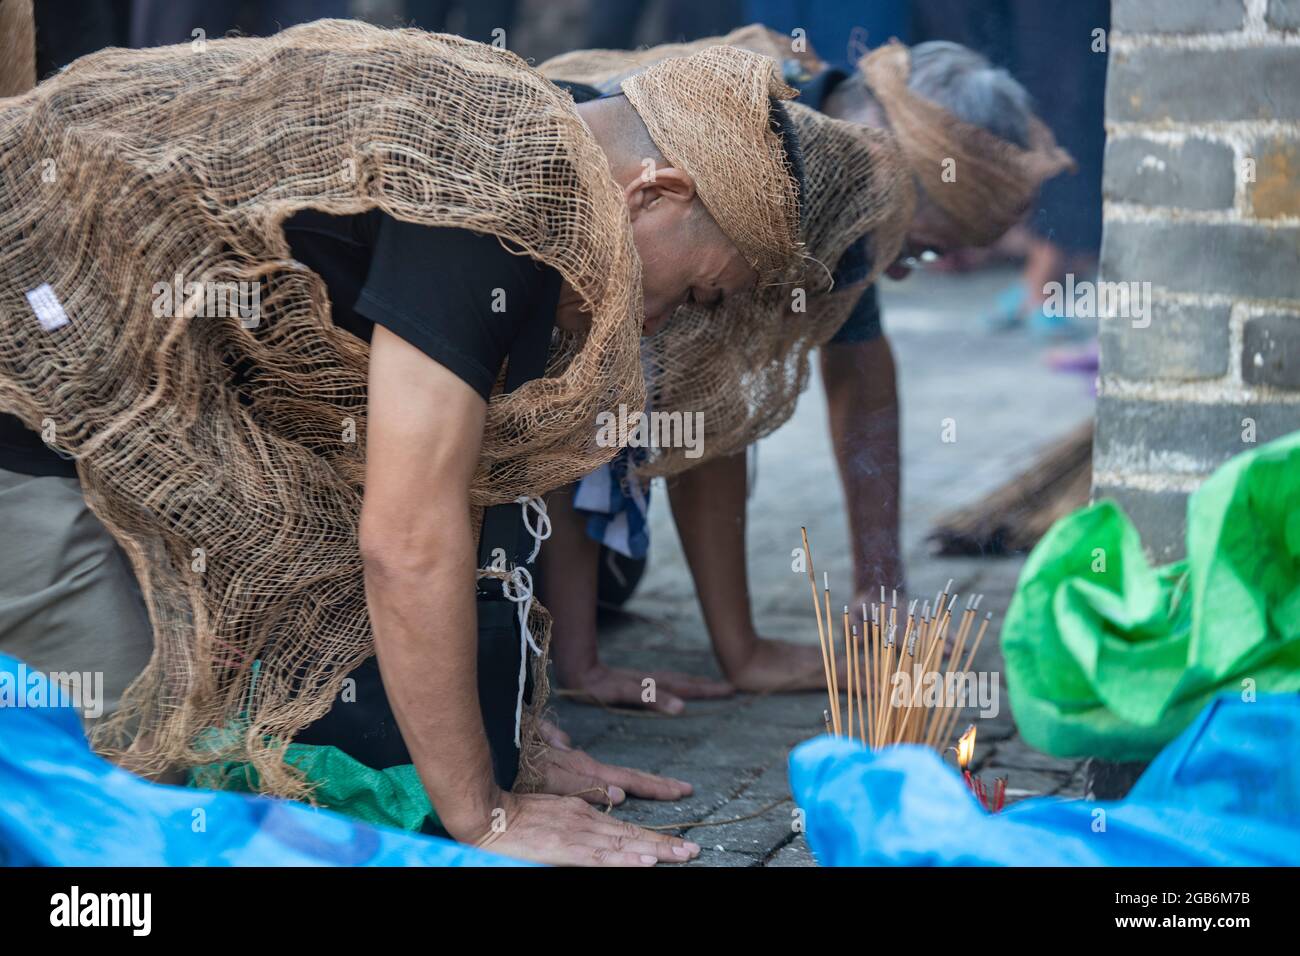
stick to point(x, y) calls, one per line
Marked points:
point(1202, 200)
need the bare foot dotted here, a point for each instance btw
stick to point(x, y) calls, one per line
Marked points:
point(617, 686)
point(576, 773)
point(783, 666)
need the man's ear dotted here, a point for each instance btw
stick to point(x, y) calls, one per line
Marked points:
point(653, 186)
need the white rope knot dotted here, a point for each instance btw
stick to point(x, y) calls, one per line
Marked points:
point(532, 504)
point(518, 587)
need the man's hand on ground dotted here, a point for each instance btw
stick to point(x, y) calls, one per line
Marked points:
point(618, 686)
point(566, 831)
point(574, 772)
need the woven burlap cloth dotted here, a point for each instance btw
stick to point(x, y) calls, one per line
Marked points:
point(703, 111)
point(226, 455)
point(17, 47)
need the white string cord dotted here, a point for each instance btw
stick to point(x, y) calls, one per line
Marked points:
point(518, 587)
point(540, 531)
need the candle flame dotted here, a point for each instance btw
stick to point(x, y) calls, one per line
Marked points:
point(966, 747)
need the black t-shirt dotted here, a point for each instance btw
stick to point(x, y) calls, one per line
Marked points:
point(459, 297)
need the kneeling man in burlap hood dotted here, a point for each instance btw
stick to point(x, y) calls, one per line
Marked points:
point(245, 280)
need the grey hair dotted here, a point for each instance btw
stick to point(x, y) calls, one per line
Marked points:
point(972, 89)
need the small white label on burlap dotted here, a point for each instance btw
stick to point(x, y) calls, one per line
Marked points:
point(48, 309)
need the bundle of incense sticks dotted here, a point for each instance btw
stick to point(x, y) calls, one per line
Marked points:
point(900, 677)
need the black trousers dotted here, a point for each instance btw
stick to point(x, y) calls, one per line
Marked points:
point(361, 722)
point(617, 577)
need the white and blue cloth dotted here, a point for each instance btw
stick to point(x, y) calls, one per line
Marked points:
point(616, 503)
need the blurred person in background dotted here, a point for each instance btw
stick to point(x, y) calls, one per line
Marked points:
point(1059, 52)
point(479, 20)
point(840, 32)
point(617, 24)
point(161, 22)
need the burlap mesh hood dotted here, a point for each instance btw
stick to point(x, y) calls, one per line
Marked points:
point(743, 364)
point(237, 498)
point(607, 69)
point(997, 181)
point(709, 114)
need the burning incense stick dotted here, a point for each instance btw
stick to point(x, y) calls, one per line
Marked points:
point(866, 676)
point(821, 634)
point(830, 640)
point(946, 728)
point(850, 666)
point(992, 802)
point(902, 678)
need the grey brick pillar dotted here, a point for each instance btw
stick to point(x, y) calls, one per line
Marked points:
point(1202, 201)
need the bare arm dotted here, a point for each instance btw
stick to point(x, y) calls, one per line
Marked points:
point(570, 577)
point(862, 403)
point(709, 510)
point(425, 427)
point(569, 588)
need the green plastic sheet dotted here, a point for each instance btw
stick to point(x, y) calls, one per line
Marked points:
point(393, 797)
point(1110, 657)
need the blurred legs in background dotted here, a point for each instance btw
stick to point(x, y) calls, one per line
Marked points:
point(1058, 63)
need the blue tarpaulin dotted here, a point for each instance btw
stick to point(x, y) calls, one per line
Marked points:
point(1226, 792)
point(61, 805)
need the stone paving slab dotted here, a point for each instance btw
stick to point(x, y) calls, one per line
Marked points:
point(794, 853)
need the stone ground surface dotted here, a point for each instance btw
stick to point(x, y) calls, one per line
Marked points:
point(1007, 404)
